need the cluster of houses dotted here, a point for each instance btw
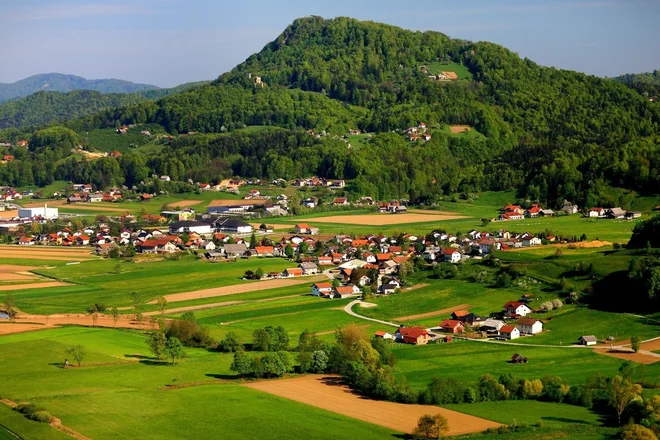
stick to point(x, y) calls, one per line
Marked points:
point(85, 194)
point(418, 133)
point(319, 182)
point(516, 212)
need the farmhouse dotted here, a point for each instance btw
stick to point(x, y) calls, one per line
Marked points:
point(518, 359)
point(384, 335)
point(309, 202)
point(615, 213)
point(458, 314)
point(492, 325)
point(232, 225)
point(569, 208)
point(340, 201)
point(304, 228)
point(157, 246)
point(345, 292)
point(588, 340)
point(533, 212)
point(322, 289)
point(530, 326)
point(265, 251)
point(452, 326)
point(597, 212)
point(412, 335)
point(387, 289)
point(292, 272)
point(510, 332)
point(234, 250)
point(516, 308)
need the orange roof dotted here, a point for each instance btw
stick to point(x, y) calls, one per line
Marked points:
point(264, 249)
point(323, 285)
point(507, 329)
point(302, 226)
point(412, 332)
point(383, 257)
point(344, 289)
point(360, 242)
point(451, 323)
point(294, 270)
point(461, 313)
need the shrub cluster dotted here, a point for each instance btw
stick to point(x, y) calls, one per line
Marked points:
point(33, 412)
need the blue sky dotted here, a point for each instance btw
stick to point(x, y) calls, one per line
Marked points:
point(169, 42)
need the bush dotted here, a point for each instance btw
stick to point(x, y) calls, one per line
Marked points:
point(26, 408)
point(41, 416)
point(637, 432)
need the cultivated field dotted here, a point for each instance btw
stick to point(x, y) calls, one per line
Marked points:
point(459, 128)
point(9, 214)
point(242, 288)
point(443, 312)
point(184, 203)
point(325, 392)
point(389, 219)
point(240, 202)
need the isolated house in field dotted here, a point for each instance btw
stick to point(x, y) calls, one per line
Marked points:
point(588, 340)
point(517, 308)
point(510, 332)
point(530, 326)
point(452, 326)
point(322, 289)
point(412, 335)
point(518, 359)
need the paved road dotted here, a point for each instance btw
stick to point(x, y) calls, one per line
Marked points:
point(349, 309)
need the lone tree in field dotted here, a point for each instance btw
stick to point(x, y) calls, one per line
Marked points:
point(174, 349)
point(429, 426)
point(156, 341)
point(635, 343)
point(10, 305)
point(78, 353)
point(115, 315)
point(137, 305)
point(161, 302)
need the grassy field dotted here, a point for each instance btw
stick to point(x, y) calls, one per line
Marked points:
point(99, 281)
point(467, 360)
point(461, 70)
point(27, 429)
point(120, 390)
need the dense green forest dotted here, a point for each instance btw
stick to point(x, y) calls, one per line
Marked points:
point(45, 107)
point(58, 82)
point(647, 84)
point(550, 134)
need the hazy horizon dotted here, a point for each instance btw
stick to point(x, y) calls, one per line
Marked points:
point(169, 42)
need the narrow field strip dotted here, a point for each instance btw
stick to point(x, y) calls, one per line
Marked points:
point(434, 313)
point(239, 288)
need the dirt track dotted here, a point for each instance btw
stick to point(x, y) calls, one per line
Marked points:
point(184, 203)
point(33, 286)
point(578, 245)
point(323, 392)
point(640, 358)
point(433, 314)
point(24, 322)
point(388, 219)
point(240, 288)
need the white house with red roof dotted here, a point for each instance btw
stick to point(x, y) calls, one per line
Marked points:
point(517, 308)
point(530, 326)
point(509, 332)
point(412, 335)
point(452, 255)
point(322, 289)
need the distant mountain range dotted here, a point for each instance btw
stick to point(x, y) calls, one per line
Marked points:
point(57, 82)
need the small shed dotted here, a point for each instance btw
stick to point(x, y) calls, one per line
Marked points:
point(518, 359)
point(588, 340)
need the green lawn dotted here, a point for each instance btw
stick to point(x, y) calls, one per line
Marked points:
point(461, 70)
point(27, 429)
point(120, 391)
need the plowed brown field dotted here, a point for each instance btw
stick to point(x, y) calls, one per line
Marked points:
point(325, 392)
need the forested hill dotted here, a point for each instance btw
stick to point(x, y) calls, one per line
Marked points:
point(58, 82)
point(647, 84)
point(44, 107)
point(551, 134)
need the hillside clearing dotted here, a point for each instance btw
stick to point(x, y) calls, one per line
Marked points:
point(446, 311)
point(325, 392)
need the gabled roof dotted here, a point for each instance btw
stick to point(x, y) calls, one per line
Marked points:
point(412, 332)
point(507, 329)
point(451, 323)
point(514, 305)
point(344, 289)
point(461, 313)
point(322, 286)
point(527, 321)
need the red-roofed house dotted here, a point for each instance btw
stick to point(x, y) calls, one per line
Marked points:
point(22, 143)
point(383, 334)
point(264, 251)
point(412, 335)
point(292, 272)
point(458, 314)
point(530, 326)
point(340, 201)
point(452, 326)
point(517, 308)
point(26, 241)
point(509, 332)
point(534, 211)
point(344, 292)
point(325, 261)
point(452, 255)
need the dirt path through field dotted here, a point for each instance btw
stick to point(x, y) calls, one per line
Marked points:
point(325, 392)
point(446, 311)
point(25, 322)
point(33, 286)
point(389, 219)
point(240, 288)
